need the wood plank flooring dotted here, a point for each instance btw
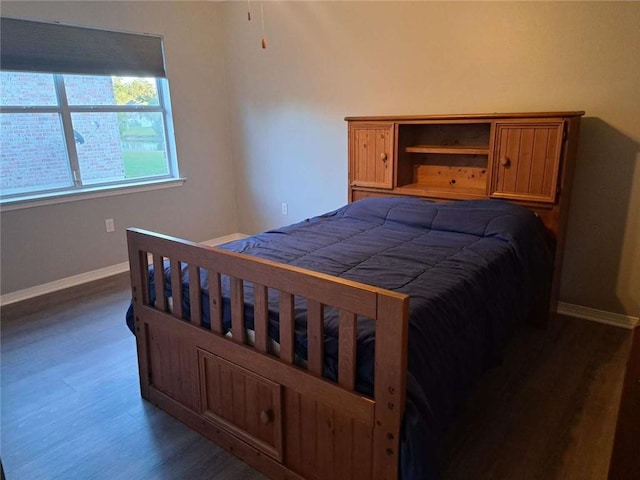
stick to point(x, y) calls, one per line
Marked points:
point(71, 409)
point(549, 412)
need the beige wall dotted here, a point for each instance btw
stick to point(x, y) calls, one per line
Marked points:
point(44, 244)
point(326, 60)
point(286, 139)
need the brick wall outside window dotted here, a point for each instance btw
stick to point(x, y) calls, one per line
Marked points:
point(33, 151)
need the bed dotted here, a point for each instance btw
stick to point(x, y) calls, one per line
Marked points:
point(341, 346)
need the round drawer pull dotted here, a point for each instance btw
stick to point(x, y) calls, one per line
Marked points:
point(383, 157)
point(266, 416)
point(505, 162)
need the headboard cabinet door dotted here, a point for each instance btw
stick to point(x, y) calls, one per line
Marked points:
point(371, 153)
point(527, 160)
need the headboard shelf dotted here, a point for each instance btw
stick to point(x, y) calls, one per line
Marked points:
point(448, 150)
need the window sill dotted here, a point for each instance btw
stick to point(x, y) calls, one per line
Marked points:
point(30, 201)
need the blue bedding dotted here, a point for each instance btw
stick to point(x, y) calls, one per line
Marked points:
point(474, 270)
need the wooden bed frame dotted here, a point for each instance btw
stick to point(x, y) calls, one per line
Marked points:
point(283, 419)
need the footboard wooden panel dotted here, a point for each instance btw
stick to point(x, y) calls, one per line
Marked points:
point(284, 419)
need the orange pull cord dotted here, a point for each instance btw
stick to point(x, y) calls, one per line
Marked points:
point(264, 39)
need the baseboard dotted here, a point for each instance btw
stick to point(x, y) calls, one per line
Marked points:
point(45, 288)
point(225, 239)
point(600, 316)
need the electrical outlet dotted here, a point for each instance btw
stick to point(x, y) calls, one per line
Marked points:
point(285, 209)
point(110, 226)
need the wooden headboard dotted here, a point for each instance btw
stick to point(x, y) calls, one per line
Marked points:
point(524, 158)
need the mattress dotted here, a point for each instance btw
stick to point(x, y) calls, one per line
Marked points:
point(474, 271)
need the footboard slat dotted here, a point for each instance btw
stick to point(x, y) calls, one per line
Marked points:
point(158, 278)
point(315, 336)
point(347, 349)
point(237, 310)
point(176, 288)
point(215, 302)
point(195, 295)
point(260, 317)
point(287, 327)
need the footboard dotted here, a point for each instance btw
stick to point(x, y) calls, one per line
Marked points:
point(284, 419)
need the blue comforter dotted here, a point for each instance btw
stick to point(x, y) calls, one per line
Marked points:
point(474, 270)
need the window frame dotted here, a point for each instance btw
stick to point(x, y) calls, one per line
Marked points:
point(79, 190)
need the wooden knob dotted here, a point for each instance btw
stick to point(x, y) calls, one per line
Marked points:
point(266, 416)
point(505, 162)
point(383, 157)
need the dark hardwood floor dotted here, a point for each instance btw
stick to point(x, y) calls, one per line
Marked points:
point(71, 407)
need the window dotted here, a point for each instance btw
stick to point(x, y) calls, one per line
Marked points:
point(79, 122)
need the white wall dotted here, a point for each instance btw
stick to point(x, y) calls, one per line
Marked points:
point(278, 130)
point(43, 244)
